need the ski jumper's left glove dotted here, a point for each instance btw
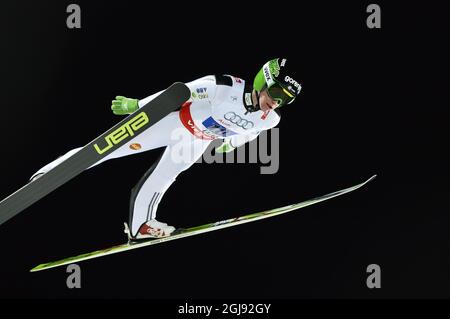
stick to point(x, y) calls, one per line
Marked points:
point(122, 105)
point(226, 147)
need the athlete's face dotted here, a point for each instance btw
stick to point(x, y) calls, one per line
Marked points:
point(266, 103)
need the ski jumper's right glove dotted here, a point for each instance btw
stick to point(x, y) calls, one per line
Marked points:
point(225, 147)
point(123, 105)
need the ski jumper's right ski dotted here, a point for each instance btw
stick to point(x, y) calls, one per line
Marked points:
point(168, 101)
point(192, 231)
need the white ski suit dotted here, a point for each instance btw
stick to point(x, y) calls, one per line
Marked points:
point(215, 110)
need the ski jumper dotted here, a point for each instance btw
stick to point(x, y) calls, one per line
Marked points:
point(215, 110)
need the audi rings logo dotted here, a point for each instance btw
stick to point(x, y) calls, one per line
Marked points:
point(239, 121)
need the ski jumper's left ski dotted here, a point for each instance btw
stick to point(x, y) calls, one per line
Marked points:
point(181, 233)
point(168, 101)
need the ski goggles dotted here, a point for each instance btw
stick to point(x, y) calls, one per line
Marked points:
point(280, 95)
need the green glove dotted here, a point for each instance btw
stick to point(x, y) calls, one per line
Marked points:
point(123, 105)
point(225, 147)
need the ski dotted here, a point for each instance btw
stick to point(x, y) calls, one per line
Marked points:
point(134, 124)
point(182, 233)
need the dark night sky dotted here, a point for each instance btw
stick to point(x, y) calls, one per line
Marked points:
point(374, 102)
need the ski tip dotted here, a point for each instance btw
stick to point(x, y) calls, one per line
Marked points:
point(368, 180)
point(37, 268)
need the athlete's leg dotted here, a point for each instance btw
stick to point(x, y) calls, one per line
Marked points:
point(158, 135)
point(147, 194)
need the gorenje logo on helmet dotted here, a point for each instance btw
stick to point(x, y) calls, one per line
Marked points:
point(288, 79)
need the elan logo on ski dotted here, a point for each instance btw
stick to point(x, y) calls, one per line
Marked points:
point(128, 129)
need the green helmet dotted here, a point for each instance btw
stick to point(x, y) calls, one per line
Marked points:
point(280, 85)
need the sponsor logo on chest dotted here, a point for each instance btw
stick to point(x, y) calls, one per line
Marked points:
point(231, 118)
point(200, 93)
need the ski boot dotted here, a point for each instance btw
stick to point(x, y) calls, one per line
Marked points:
point(151, 229)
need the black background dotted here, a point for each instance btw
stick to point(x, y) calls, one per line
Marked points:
point(374, 102)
